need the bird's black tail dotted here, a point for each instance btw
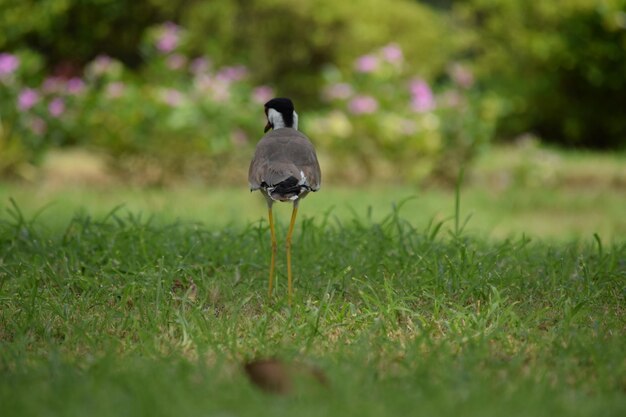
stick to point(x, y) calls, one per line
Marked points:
point(288, 189)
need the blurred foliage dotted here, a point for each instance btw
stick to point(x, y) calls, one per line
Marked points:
point(70, 33)
point(185, 116)
point(387, 88)
point(286, 42)
point(386, 122)
point(559, 66)
point(289, 42)
point(178, 115)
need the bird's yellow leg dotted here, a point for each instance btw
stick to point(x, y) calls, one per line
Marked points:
point(273, 234)
point(288, 244)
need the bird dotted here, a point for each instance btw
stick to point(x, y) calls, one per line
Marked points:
point(284, 168)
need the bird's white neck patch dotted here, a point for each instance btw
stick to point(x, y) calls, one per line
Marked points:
point(277, 121)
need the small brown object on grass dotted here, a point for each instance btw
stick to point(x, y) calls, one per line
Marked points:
point(270, 375)
point(277, 377)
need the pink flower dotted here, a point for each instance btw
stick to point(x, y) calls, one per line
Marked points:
point(220, 90)
point(75, 85)
point(176, 61)
point(392, 53)
point(8, 64)
point(203, 82)
point(115, 89)
point(363, 104)
point(366, 63)
point(199, 65)
point(56, 107)
point(422, 98)
point(173, 98)
point(169, 37)
point(27, 99)
point(230, 74)
point(38, 126)
point(57, 85)
point(101, 65)
point(262, 94)
point(462, 76)
point(52, 85)
point(338, 91)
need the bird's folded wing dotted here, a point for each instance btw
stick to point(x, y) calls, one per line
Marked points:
point(281, 154)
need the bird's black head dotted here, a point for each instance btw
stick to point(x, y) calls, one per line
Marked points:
point(282, 105)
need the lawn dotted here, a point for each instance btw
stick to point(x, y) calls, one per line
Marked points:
point(560, 214)
point(153, 308)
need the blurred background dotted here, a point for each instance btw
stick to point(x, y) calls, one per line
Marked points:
point(155, 92)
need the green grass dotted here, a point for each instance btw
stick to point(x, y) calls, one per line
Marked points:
point(512, 190)
point(111, 312)
point(552, 213)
